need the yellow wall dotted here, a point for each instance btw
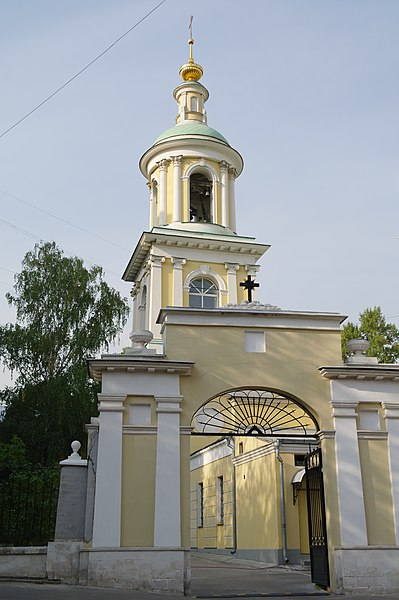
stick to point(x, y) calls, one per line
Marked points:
point(212, 535)
point(289, 365)
point(377, 491)
point(138, 490)
point(258, 512)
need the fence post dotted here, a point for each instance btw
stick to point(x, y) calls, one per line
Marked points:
point(63, 555)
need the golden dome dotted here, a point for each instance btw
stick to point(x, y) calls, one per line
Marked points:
point(191, 71)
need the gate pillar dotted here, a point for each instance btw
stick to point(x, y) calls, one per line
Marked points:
point(167, 525)
point(352, 516)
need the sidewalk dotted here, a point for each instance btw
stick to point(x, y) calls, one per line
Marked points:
point(34, 591)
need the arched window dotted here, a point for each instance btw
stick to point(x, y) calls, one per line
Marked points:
point(203, 293)
point(194, 103)
point(200, 198)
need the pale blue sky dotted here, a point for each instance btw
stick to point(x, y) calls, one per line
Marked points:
point(306, 90)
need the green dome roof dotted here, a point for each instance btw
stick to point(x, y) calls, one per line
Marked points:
point(191, 129)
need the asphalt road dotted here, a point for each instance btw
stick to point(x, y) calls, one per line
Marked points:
point(212, 577)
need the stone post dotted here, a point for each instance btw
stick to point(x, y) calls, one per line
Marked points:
point(63, 555)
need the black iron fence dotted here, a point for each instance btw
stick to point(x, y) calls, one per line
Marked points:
point(28, 506)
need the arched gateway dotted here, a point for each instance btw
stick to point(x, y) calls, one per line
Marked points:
point(285, 433)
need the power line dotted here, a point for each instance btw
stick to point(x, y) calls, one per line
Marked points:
point(36, 237)
point(46, 212)
point(9, 270)
point(81, 71)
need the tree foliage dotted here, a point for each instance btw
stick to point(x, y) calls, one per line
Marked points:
point(383, 336)
point(65, 313)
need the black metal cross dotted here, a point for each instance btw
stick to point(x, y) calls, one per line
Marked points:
point(249, 285)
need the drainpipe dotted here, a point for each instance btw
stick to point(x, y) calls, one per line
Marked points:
point(282, 501)
point(231, 444)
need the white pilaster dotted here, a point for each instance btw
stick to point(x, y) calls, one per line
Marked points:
point(167, 522)
point(232, 197)
point(177, 185)
point(107, 508)
point(391, 413)
point(352, 517)
point(178, 264)
point(224, 184)
point(163, 167)
point(232, 269)
point(155, 293)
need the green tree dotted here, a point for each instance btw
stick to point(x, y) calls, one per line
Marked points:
point(383, 336)
point(65, 313)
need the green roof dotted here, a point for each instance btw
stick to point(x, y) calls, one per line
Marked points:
point(191, 129)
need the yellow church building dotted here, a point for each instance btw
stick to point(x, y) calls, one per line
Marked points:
point(231, 425)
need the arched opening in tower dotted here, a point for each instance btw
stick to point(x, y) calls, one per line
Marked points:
point(200, 198)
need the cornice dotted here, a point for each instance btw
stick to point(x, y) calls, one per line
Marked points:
point(120, 363)
point(191, 145)
point(373, 372)
point(181, 239)
point(247, 316)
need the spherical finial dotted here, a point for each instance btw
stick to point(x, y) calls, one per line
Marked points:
point(75, 447)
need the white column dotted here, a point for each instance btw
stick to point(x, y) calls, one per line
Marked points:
point(352, 517)
point(177, 183)
point(107, 507)
point(135, 294)
point(163, 166)
point(151, 223)
point(155, 293)
point(178, 264)
point(253, 270)
point(167, 522)
point(232, 269)
point(224, 181)
point(391, 412)
point(232, 196)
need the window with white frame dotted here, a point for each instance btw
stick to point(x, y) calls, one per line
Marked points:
point(200, 505)
point(220, 500)
point(203, 293)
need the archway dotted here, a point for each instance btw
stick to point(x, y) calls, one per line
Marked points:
point(243, 501)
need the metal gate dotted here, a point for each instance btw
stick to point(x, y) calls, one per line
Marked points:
point(317, 519)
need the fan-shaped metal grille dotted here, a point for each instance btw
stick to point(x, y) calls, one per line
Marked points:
point(253, 412)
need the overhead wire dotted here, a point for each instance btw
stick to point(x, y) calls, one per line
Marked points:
point(32, 235)
point(64, 85)
point(46, 212)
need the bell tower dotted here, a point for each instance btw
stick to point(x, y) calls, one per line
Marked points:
point(192, 255)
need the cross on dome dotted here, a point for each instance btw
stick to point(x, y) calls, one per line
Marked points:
point(191, 71)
